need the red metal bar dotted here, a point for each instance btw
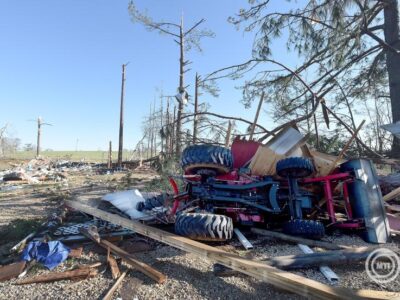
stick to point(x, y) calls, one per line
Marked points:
point(347, 201)
point(174, 185)
point(329, 200)
point(327, 178)
point(176, 192)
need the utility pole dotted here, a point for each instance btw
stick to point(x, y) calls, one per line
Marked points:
point(39, 125)
point(39, 129)
point(121, 118)
point(109, 163)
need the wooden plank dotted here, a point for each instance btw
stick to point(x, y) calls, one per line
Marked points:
point(80, 273)
point(393, 194)
point(264, 161)
point(375, 295)
point(281, 279)
point(297, 240)
point(115, 273)
point(130, 259)
point(12, 270)
point(115, 286)
point(138, 265)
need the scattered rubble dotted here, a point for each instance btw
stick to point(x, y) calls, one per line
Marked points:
point(113, 241)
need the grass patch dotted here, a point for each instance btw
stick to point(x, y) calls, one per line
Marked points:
point(89, 156)
point(17, 229)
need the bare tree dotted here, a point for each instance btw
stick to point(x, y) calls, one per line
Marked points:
point(186, 40)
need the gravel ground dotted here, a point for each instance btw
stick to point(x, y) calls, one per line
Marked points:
point(189, 277)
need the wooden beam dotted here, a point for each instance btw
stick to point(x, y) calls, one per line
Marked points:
point(393, 194)
point(115, 286)
point(297, 240)
point(283, 280)
point(129, 258)
point(12, 270)
point(115, 273)
point(80, 273)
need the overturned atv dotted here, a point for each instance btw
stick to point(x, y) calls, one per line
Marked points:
point(218, 196)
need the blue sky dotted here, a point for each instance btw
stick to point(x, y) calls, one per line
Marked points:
point(61, 60)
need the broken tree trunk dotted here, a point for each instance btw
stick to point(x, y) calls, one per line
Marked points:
point(253, 126)
point(281, 279)
point(81, 273)
point(228, 135)
point(196, 106)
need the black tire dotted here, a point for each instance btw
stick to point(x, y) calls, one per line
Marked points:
point(204, 227)
point(295, 167)
point(306, 228)
point(197, 158)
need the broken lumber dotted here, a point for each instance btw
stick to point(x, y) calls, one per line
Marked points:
point(115, 273)
point(128, 258)
point(115, 286)
point(81, 273)
point(372, 294)
point(280, 279)
point(393, 194)
point(12, 270)
point(298, 240)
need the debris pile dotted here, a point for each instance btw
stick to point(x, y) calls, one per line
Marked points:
point(281, 191)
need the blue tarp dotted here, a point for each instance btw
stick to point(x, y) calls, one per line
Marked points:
point(50, 254)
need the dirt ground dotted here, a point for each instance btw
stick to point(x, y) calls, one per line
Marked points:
point(189, 276)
